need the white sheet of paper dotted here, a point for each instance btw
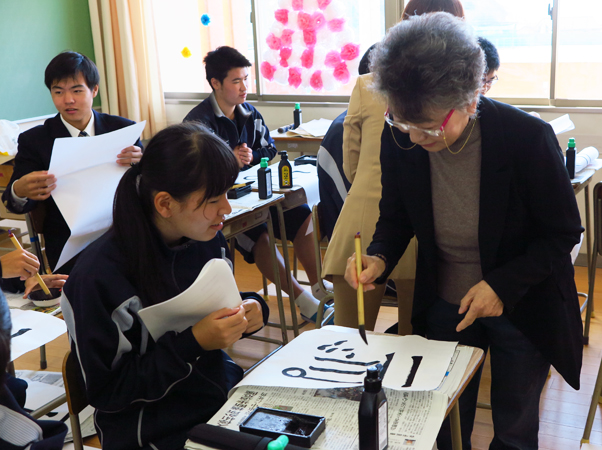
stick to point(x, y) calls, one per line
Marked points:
point(585, 157)
point(214, 288)
point(87, 177)
point(320, 358)
point(43, 328)
point(562, 124)
point(313, 128)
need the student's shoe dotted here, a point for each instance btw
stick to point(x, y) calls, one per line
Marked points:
point(314, 318)
point(319, 293)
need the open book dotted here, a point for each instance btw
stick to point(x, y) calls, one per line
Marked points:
point(214, 288)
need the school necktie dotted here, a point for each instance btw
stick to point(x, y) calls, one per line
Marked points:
point(83, 134)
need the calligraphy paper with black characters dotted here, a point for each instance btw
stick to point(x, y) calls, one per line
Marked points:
point(337, 357)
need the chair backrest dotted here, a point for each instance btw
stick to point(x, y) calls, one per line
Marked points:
point(315, 218)
point(76, 397)
point(597, 199)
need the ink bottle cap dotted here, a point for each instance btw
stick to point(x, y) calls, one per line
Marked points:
point(284, 154)
point(279, 443)
point(263, 163)
point(297, 105)
point(373, 382)
point(571, 143)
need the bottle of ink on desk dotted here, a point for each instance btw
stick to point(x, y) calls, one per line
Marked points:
point(570, 158)
point(285, 172)
point(264, 179)
point(297, 119)
point(373, 413)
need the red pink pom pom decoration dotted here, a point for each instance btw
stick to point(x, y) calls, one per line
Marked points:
point(310, 46)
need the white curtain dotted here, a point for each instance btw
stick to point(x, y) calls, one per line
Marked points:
point(126, 55)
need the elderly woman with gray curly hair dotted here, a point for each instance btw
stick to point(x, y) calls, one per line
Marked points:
point(483, 187)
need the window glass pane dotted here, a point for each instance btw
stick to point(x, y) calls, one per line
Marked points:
point(522, 32)
point(579, 50)
point(313, 47)
point(199, 26)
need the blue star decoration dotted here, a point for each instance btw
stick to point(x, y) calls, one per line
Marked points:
point(205, 19)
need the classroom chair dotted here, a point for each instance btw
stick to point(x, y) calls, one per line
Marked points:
point(76, 397)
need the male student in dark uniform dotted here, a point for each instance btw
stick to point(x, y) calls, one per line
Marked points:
point(72, 79)
point(228, 115)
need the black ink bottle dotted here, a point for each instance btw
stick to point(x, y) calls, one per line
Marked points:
point(285, 172)
point(297, 118)
point(570, 158)
point(264, 179)
point(373, 413)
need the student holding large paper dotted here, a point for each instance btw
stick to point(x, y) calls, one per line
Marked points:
point(72, 79)
point(169, 210)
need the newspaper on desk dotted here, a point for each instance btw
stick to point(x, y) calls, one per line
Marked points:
point(415, 416)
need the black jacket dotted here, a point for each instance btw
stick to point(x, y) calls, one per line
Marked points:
point(35, 150)
point(147, 394)
point(528, 224)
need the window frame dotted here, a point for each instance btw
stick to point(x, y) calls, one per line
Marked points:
point(393, 10)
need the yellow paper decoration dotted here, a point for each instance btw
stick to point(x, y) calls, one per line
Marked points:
point(186, 52)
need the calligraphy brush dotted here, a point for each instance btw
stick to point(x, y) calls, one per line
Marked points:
point(360, 288)
point(17, 245)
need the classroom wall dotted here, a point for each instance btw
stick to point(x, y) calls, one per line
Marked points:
point(32, 32)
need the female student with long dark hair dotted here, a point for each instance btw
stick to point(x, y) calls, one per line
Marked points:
point(168, 213)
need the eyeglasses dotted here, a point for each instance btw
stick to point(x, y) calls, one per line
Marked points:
point(406, 127)
point(491, 81)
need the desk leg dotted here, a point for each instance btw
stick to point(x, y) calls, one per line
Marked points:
point(591, 270)
point(277, 282)
point(456, 431)
point(287, 268)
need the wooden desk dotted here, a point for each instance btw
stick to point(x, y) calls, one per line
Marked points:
point(302, 145)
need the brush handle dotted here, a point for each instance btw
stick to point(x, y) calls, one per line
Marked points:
point(360, 286)
point(17, 245)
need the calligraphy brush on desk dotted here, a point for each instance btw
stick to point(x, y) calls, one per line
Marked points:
point(17, 245)
point(360, 288)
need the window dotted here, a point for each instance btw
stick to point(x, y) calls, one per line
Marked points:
point(537, 66)
point(188, 29)
point(550, 50)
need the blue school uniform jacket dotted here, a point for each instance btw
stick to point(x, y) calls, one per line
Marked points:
point(249, 121)
point(147, 394)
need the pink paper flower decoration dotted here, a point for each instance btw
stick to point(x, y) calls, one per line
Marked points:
point(336, 25)
point(286, 37)
point(309, 37)
point(350, 51)
point(294, 77)
point(341, 73)
point(283, 62)
point(304, 21)
point(307, 58)
point(322, 4)
point(281, 16)
point(285, 52)
point(317, 20)
point(267, 70)
point(273, 42)
point(316, 80)
point(332, 59)
point(297, 5)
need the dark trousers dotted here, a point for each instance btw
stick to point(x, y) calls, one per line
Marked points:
point(518, 374)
